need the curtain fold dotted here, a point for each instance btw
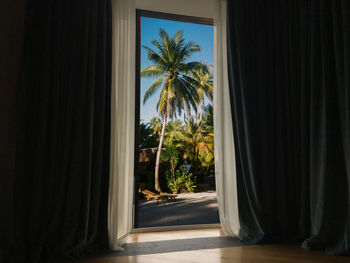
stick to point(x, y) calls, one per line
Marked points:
point(62, 157)
point(225, 169)
point(329, 103)
point(289, 91)
point(121, 190)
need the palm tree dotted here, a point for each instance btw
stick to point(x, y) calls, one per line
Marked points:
point(207, 156)
point(204, 78)
point(193, 141)
point(173, 132)
point(172, 70)
point(156, 124)
point(208, 118)
point(197, 140)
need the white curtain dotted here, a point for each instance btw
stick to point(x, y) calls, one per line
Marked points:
point(225, 168)
point(120, 206)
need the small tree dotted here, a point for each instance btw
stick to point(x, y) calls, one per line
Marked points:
point(182, 181)
point(171, 155)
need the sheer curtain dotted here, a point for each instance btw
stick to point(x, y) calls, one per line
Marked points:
point(120, 207)
point(225, 167)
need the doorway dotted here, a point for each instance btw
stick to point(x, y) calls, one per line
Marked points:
point(174, 138)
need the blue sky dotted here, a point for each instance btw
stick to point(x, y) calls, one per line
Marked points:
point(200, 34)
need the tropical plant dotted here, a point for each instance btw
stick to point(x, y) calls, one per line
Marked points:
point(181, 181)
point(186, 179)
point(192, 141)
point(147, 137)
point(204, 78)
point(175, 184)
point(170, 56)
point(156, 124)
point(208, 118)
point(207, 149)
point(173, 132)
point(171, 155)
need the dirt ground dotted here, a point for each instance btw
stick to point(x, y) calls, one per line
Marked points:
point(188, 209)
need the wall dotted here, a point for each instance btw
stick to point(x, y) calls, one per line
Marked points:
point(12, 13)
point(199, 8)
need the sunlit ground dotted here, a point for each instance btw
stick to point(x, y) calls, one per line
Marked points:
point(188, 209)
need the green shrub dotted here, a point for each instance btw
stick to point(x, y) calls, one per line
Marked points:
point(186, 179)
point(175, 184)
point(182, 181)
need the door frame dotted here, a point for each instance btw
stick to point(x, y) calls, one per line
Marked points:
point(167, 16)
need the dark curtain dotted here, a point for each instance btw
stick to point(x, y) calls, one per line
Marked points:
point(62, 157)
point(290, 99)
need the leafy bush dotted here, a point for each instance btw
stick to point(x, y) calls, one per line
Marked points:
point(186, 178)
point(189, 184)
point(182, 181)
point(175, 184)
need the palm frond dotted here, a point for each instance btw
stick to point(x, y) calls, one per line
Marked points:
point(154, 56)
point(190, 67)
point(152, 71)
point(178, 36)
point(152, 89)
point(170, 56)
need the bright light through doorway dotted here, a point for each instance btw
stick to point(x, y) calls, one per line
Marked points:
point(176, 124)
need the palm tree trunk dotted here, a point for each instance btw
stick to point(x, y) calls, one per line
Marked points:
point(156, 171)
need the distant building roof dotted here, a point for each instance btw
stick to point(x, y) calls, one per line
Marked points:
point(146, 154)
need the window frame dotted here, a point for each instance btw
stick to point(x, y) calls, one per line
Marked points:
point(166, 16)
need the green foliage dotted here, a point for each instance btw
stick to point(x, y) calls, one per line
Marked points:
point(156, 124)
point(175, 184)
point(193, 143)
point(173, 132)
point(207, 154)
point(147, 137)
point(204, 78)
point(190, 142)
point(171, 155)
point(186, 176)
point(182, 181)
point(182, 84)
point(178, 90)
point(208, 118)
